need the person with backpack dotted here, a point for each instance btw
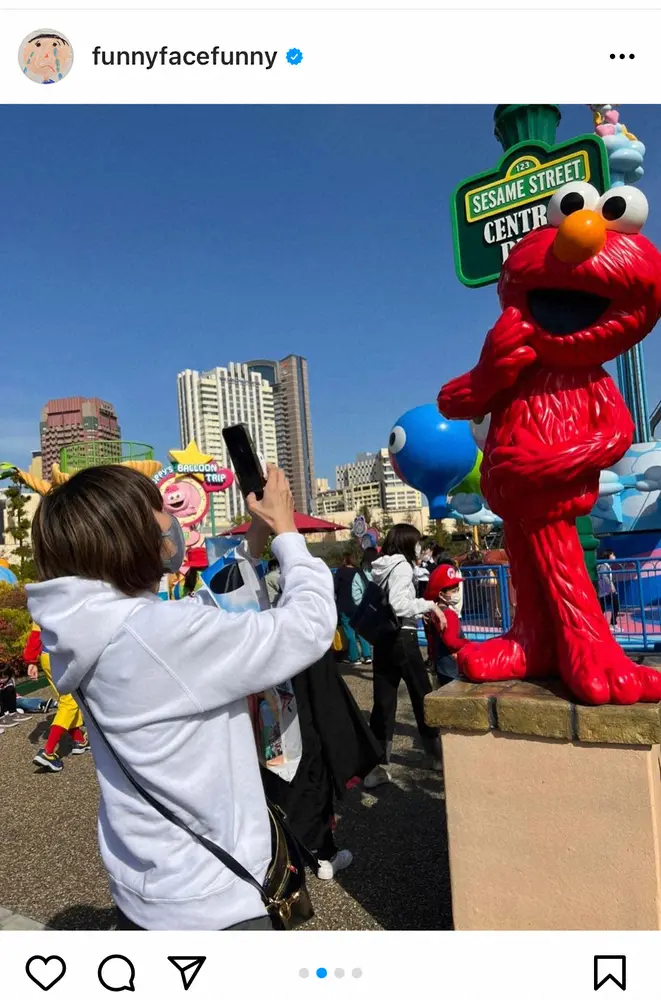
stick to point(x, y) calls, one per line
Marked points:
point(363, 576)
point(397, 654)
point(344, 579)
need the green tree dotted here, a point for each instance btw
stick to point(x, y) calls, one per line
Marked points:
point(366, 513)
point(14, 627)
point(19, 527)
point(385, 524)
point(440, 535)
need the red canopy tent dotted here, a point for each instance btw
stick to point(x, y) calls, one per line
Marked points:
point(306, 525)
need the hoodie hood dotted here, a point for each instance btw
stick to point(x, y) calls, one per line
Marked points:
point(78, 619)
point(383, 565)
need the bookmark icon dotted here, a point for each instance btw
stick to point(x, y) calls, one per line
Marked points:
point(610, 969)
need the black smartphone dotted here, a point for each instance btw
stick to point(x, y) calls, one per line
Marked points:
point(245, 460)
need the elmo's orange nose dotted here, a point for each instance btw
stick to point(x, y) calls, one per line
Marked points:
point(580, 236)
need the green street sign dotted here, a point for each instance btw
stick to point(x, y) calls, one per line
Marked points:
point(493, 211)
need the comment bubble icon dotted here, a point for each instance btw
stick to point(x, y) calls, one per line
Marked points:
point(117, 973)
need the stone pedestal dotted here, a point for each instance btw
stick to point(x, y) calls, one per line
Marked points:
point(553, 809)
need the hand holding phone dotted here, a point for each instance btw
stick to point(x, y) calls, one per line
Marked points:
point(276, 508)
point(248, 467)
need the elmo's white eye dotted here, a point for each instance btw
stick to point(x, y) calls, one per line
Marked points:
point(624, 208)
point(397, 440)
point(569, 199)
point(480, 429)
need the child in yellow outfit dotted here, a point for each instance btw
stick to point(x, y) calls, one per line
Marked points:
point(68, 717)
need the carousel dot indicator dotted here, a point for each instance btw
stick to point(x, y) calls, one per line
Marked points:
point(303, 973)
point(357, 973)
point(322, 973)
point(339, 973)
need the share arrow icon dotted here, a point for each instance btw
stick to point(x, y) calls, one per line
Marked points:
point(188, 967)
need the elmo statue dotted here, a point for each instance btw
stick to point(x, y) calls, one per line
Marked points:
point(575, 295)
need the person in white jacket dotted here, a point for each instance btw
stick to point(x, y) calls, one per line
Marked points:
point(397, 656)
point(167, 683)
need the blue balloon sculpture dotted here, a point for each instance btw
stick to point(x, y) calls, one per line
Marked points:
point(432, 454)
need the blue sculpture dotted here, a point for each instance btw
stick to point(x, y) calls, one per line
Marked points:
point(432, 454)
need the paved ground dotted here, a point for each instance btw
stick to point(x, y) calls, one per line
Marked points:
point(52, 874)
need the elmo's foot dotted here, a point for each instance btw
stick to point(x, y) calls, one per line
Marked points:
point(599, 673)
point(502, 659)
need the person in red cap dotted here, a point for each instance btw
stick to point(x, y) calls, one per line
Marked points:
point(444, 642)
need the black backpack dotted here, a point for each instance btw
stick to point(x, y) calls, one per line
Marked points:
point(374, 618)
point(343, 583)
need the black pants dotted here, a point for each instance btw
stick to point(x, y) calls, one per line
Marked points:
point(308, 804)
point(7, 699)
point(258, 924)
point(611, 602)
point(398, 658)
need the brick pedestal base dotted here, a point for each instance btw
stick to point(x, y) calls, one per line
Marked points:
point(554, 809)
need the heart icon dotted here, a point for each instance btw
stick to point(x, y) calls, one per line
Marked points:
point(45, 972)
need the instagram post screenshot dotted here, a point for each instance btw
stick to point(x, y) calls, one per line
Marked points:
point(330, 503)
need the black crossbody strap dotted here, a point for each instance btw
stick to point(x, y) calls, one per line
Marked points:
point(218, 852)
point(386, 578)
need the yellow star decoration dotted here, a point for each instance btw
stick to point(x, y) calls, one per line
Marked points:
point(191, 455)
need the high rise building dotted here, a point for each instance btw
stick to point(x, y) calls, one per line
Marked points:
point(73, 420)
point(289, 380)
point(395, 495)
point(370, 482)
point(209, 401)
point(363, 470)
point(330, 502)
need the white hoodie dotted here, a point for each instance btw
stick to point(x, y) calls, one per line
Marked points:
point(394, 574)
point(167, 682)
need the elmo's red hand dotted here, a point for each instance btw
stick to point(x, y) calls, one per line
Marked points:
point(506, 352)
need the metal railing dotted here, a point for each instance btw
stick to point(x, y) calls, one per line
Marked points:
point(84, 454)
point(629, 589)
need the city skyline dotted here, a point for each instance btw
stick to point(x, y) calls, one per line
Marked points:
point(230, 246)
point(370, 481)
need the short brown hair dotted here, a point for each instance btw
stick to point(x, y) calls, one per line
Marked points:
point(100, 525)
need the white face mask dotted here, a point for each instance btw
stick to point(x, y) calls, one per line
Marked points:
point(452, 598)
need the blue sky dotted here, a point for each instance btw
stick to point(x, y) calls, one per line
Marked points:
point(137, 241)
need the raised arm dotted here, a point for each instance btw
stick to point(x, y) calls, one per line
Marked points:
point(224, 656)
point(505, 354)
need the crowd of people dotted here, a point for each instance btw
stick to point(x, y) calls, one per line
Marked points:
point(171, 689)
point(168, 687)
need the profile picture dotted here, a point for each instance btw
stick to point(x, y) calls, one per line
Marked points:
point(45, 56)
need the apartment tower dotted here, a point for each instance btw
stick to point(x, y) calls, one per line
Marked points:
point(289, 381)
point(209, 401)
point(71, 421)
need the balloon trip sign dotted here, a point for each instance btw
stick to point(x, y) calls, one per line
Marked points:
point(186, 485)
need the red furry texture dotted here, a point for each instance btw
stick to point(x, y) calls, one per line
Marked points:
point(557, 420)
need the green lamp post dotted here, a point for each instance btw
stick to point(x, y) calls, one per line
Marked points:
point(514, 123)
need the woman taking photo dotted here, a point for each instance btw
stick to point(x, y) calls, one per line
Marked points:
point(167, 681)
point(397, 656)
